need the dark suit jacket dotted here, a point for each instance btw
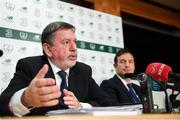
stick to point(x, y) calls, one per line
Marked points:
point(80, 83)
point(118, 92)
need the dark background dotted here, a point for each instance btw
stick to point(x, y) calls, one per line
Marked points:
point(151, 42)
point(150, 46)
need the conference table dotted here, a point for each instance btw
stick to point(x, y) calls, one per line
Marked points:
point(127, 112)
point(92, 117)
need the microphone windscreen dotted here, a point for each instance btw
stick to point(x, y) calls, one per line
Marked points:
point(158, 71)
point(129, 75)
point(1, 52)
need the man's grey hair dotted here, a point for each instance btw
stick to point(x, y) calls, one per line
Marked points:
point(50, 29)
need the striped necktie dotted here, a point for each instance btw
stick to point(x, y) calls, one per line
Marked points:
point(133, 94)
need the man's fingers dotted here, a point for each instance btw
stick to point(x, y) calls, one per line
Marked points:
point(44, 82)
point(65, 92)
point(42, 72)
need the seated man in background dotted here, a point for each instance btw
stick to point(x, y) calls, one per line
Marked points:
point(54, 80)
point(122, 90)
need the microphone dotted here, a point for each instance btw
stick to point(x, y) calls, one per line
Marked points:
point(129, 75)
point(145, 88)
point(161, 71)
point(174, 76)
point(146, 92)
point(1, 52)
point(140, 77)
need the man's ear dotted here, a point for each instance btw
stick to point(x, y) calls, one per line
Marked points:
point(114, 65)
point(47, 50)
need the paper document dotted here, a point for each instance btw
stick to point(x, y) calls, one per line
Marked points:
point(102, 111)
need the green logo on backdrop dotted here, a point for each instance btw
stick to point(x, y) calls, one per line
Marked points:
point(19, 35)
point(34, 37)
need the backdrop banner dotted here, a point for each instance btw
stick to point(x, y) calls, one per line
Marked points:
point(22, 21)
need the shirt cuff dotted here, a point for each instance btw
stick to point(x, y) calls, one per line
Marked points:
point(16, 105)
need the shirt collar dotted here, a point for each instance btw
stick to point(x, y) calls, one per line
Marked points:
point(123, 81)
point(56, 69)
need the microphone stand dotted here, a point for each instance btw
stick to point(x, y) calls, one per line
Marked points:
point(167, 100)
point(146, 93)
point(175, 103)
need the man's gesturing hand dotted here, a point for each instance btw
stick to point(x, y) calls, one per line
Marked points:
point(41, 92)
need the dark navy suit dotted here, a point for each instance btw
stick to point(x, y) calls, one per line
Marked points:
point(118, 92)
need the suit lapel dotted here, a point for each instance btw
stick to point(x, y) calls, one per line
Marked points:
point(50, 73)
point(76, 82)
point(120, 84)
point(122, 87)
point(73, 79)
